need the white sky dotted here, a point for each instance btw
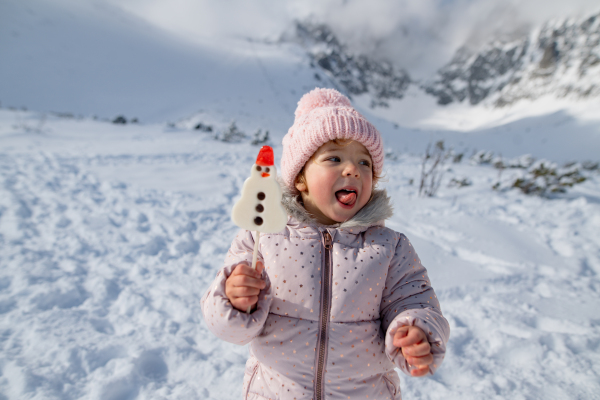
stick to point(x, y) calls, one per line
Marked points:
point(418, 35)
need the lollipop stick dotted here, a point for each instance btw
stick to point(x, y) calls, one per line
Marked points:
point(254, 257)
point(255, 254)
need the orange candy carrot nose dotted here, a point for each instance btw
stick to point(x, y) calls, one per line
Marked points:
point(264, 174)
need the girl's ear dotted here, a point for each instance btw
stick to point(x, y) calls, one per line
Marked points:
point(301, 186)
point(300, 183)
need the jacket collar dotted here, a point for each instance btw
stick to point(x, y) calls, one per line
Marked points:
point(375, 212)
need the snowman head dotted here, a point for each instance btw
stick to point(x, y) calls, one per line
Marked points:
point(264, 166)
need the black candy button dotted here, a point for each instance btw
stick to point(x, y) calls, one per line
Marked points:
point(258, 221)
point(260, 208)
point(261, 196)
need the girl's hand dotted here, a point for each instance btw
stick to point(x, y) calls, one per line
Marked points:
point(415, 348)
point(243, 286)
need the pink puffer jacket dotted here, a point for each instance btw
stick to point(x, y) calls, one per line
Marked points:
point(334, 297)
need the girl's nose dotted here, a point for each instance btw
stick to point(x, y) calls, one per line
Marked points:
point(351, 170)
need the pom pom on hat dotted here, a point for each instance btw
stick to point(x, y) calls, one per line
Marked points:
point(318, 98)
point(323, 115)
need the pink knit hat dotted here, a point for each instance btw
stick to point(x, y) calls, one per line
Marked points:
point(323, 115)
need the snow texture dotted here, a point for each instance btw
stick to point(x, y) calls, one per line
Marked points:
point(110, 234)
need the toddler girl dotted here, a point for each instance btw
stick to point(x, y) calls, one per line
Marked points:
point(339, 300)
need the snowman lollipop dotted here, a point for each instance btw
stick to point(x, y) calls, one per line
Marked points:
point(259, 209)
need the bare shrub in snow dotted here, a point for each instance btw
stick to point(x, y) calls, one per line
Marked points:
point(391, 155)
point(260, 137)
point(432, 168)
point(531, 176)
point(120, 120)
point(35, 125)
point(457, 157)
point(544, 178)
point(590, 166)
point(524, 161)
point(203, 127)
point(482, 157)
point(231, 135)
point(454, 182)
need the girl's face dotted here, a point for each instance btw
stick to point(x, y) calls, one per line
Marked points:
point(338, 181)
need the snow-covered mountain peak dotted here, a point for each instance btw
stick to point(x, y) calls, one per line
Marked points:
point(357, 74)
point(561, 58)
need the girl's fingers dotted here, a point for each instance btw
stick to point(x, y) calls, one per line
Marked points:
point(419, 366)
point(243, 269)
point(400, 333)
point(242, 303)
point(419, 371)
point(417, 350)
point(245, 280)
point(244, 291)
point(259, 267)
point(408, 335)
point(244, 275)
point(420, 362)
point(244, 285)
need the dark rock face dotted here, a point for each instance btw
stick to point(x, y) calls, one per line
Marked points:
point(473, 76)
point(357, 74)
point(561, 58)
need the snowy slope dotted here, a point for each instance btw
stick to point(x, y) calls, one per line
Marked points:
point(110, 234)
point(91, 58)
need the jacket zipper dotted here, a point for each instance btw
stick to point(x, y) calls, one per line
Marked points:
point(254, 369)
point(324, 318)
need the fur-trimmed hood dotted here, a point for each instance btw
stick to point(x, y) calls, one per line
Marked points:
point(375, 212)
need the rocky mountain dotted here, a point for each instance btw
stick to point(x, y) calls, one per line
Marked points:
point(560, 58)
point(356, 73)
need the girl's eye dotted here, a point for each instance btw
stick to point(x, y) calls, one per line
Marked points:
point(365, 162)
point(334, 158)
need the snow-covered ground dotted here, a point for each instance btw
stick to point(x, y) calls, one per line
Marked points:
point(110, 234)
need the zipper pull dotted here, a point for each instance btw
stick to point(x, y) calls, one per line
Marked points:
point(328, 241)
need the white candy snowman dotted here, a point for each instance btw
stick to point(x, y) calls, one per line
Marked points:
point(259, 209)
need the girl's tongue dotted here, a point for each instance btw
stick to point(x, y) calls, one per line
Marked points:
point(346, 197)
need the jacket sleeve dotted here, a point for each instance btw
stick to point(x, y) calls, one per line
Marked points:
point(409, 299)
point(221, 317)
